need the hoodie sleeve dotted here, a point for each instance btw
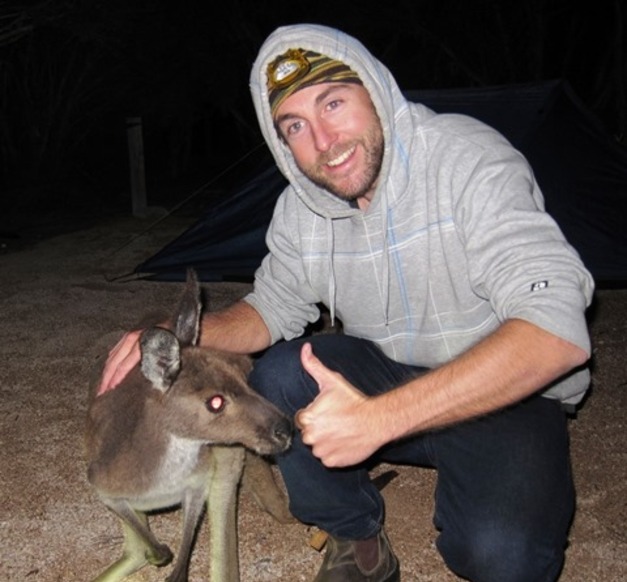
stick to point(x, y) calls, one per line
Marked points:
point(517, 255)
point(282, 294)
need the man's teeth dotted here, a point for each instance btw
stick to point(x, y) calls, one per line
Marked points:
point(342, 158)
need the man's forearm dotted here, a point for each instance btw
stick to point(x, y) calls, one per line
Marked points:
point(239, 328)
point(513, 363)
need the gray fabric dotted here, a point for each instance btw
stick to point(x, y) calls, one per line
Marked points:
point(455, 241)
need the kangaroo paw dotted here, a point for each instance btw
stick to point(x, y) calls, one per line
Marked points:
point(159, 556)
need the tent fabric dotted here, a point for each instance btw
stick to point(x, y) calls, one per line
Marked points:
point(581, 170)
point(228, 242)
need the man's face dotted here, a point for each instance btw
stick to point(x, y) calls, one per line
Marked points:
point(335, 136)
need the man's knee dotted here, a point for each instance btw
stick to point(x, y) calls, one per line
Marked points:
point(495, 554)
point(278, 375)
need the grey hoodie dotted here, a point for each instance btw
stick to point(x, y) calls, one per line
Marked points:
point(454, 242)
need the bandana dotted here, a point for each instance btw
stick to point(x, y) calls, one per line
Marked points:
point(297, 69)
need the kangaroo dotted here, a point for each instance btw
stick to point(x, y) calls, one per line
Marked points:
point(183, 428)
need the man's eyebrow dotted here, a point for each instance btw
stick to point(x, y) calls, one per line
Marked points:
point(284, 117)
point(331, 89)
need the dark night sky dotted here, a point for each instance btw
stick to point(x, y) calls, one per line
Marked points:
point(80, 67)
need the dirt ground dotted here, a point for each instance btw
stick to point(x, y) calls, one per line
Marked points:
point(59, 311)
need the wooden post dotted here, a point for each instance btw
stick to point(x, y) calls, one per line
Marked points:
point(137, 169)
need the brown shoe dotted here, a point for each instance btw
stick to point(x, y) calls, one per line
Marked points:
point(369, 560)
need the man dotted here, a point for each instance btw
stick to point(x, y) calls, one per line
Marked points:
point(462, 307)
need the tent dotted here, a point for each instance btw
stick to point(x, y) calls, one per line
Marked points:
point(581, 170)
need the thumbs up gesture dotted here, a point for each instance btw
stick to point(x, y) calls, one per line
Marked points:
point(340, 425)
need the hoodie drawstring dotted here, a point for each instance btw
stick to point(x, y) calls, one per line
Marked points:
point(385, 265)
point(332, 282)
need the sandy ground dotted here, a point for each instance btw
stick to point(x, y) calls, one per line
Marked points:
point(59, 312)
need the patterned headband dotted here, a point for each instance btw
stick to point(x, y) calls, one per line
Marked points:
point(297, 69)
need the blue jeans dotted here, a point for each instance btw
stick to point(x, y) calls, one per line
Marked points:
point(504, 496)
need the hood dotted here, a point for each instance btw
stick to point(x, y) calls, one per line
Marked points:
point(389, 102)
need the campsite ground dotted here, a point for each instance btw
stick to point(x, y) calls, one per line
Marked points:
point(61, 308)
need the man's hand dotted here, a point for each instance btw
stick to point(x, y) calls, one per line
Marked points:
point(338, 424)
point(122, 359)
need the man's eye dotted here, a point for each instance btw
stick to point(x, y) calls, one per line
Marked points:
point(294, 128)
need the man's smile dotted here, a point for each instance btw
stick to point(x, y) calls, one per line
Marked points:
point(341, 158)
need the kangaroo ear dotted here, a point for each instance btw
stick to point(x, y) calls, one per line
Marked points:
point(187, 316)
point(160, 357)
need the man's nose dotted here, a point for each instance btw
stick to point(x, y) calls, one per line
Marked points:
point(323, 135)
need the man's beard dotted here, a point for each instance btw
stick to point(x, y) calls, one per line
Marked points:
point(361, 184)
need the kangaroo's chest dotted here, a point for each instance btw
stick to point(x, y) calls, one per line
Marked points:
point(181, 458)
point(181, 467)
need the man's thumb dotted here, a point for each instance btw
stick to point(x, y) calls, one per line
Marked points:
point(314, 367)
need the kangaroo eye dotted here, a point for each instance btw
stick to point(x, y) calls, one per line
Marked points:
point(215, 403)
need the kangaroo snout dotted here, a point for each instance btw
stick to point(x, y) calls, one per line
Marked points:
point(280, 439)
point(283, 433)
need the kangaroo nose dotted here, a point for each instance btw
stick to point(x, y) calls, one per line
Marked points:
point(283, 430)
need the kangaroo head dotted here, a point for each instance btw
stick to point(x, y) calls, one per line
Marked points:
point(204, 393)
